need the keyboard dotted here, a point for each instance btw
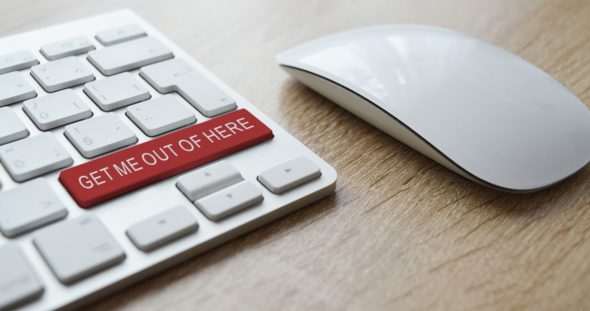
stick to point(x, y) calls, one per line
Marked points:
point(121, 156)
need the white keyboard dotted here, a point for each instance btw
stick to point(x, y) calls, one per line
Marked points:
point(121, 155)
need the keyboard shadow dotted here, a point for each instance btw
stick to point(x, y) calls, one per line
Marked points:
point(194, 267)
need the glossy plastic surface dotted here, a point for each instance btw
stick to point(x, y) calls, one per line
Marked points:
point(498, 118)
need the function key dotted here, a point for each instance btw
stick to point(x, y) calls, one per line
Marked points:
point(69, 47)
point(78, 248)
point(129, 55)
point(17, 61)
point(116, 91)
point(31, 157)
point(120, 34)
point(162, 228)
point(19, 283)
point(14, 88)
point(11, 128)
point(289, 175)
point(61, 74)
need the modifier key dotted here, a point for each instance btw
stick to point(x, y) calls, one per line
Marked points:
point(18, 282)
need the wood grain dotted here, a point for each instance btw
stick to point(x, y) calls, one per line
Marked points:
point(401, 232)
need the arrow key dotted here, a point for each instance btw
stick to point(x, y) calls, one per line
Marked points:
point(289, 175)
point(162, 228)
point(229, 201)
point(208, 179)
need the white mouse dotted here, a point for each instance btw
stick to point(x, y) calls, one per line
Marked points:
point(479, 110)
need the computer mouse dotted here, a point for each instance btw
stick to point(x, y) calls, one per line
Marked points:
point(477, 109)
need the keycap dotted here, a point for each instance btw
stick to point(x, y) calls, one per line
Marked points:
point(289, 175)
point(14, 88)
point(208, 179)
point(178, 76)
point(78, 248)
point(100, 135)
point(161, 115)
point(116, 91)
point(34, 156)
point(21, 212)
point(129, 55)
point(69, 47)
point(118, 173)
point(120, 34)
point(57, 109)
point(162, 228)
point(229, 201)
point(17, 61)
point(18, 282)
point(60, 74)
point(11, 128)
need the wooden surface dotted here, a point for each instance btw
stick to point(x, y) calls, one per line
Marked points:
point(401, 232)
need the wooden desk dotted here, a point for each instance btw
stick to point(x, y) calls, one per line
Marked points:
point(401, 232)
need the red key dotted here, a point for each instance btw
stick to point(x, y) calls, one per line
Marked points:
point(129, 169)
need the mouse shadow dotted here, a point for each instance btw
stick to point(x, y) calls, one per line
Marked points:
point(529, 205)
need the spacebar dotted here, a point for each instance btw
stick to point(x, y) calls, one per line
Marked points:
point(118, 173)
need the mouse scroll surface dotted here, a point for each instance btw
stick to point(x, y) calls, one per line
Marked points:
point(495, 116)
